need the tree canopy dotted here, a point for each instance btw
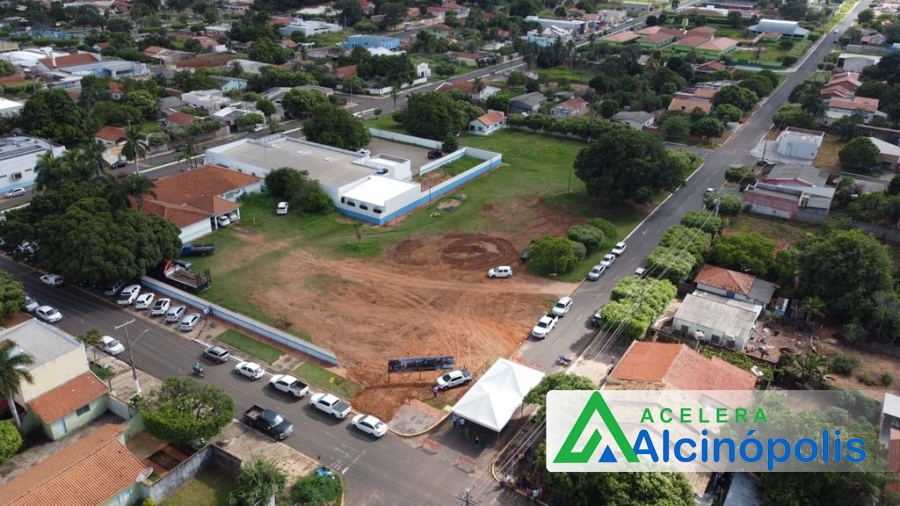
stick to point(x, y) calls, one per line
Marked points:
point(743, 252)
point(336, 127)
point(183, 409)
point(12, 296)
point(738, 96)
point(553, 255)
point(294, 186)
point(260, 479)
point(53, 115)
point(859, 154)
point(300, 103)
point(435, 115)
point(10, 440)
point(626, 164)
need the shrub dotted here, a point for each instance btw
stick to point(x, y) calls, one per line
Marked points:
point(552, 255)
point(735, 174)
point(579, 250)
point(610, 232)
point(10, 440)
point(315, 490)
point(729, 205)
point(844, 364)
point(886, 379)
point(787, 61)
point(703, 220)
point(591, 237)
point(785, 44)
point(867, 379)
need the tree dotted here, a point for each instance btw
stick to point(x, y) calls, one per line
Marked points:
point(735, 19)
point(708, 128)
point(703, 220)
point(353, 84)
point(552, 255)
point(743, 252)
point(316, 490)
point(846, 286)
point(793, 115)
point(135, 147)
point(434, 115)
point(498, 101)
point(90, 338)
point(894, 186)
point(265, 106)
point(183, 409)
point(138, 187)
point(738, 96)
point(450, 144)
point(12, 296)
point(53, 115)
point(248, 121)
point(143, 101)
point(294, 186)
point(610, 231)
point(676, 125)
point(608, 108)
point(626, 164)
point(300, 103)
point(12, 373)
point(260, 479)
point(672, 264)
point(51, 171)
point(729, 113)
point(866, 16)
point(591, 237)
point(10, 440)
point(556, 381)
point(859, 154)
point(6, 68)
point(759, 85)
point(334, 126)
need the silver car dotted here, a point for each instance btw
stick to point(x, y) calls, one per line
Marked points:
point(596, 272)
point(175, 314)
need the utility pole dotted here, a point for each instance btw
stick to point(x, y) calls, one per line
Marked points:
point(125, 325)
point(466, 498)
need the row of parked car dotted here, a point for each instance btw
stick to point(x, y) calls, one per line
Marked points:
point(131, 295)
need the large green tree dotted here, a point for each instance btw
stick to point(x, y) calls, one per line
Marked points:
point(13, 372)
point(435, 115)
point(260, 479)
point(12, 295)
point(552, 255)
point(626, 164)
point(844, 268)
point(743, 252)
point(738, 96)
point(336, 127)
point(859, 154)
point(53, 115)
point(300, 103)
point(183, 409)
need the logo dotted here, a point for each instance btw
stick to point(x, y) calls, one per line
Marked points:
point(703, 431)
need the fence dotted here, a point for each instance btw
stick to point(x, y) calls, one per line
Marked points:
point(429, 446)
point(440, 162)
point(883, 233)
point(406, 139)
point(242, 321)
point(125, 411)
point(209, 455)
point(757, 63)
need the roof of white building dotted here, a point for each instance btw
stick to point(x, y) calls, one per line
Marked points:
point(15, 146)
point(886, 148)
point(733, 318)
point(43, 342)
point(377, 190)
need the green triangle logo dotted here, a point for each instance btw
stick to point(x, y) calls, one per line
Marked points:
point(596, 404)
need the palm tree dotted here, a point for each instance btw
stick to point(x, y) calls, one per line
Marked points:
point(12, 374)
point(814, 306)
point(137, 187)
point(236, 69)
point(90, 337)
point(135, 146)
point(189, 153)
point(116, 194)
point(51, 171)
point(811, 367)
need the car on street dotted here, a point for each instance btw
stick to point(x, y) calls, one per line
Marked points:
point(112, 289)
point(30, 305)
point(597, 318)
point(144, 301)
point(175, 313)
point(161, 307)
point(181, 148)
point(118, 164)
point(454, 379)
point(217, 354)
point(111, 345)
point(608, 260)
point(289, 385)
point(563, 306)
point(596, 272)
point(282, 208)
point(365, 152)
point(269, 422)
point(835, 30)
point(189, 322)
point(434, 154)
point(503, 271)
point(618, 249)
point(250, 370)
point(52, 280)
point(48, 314)
point(223, 220)
point(640, 272)
point(129, 295)
point(370, 425)
point(544, 326)
point(331, 405)
point(708, 191)
point(15, 192)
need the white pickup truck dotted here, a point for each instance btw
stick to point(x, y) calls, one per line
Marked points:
point(330, 404)
point(544, 326)
point(289, 385)
point(454, 379)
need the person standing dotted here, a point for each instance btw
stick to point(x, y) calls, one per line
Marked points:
point(477, 444)
point(435, 392)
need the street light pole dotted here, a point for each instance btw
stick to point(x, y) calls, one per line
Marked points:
point(125, 325)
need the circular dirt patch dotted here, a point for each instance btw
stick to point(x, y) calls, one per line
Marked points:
point(475, 251)
point(409, 252)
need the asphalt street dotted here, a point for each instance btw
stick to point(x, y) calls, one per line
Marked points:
point(573, 333)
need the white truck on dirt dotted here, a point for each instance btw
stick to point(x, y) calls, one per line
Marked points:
point(455, 379)
point(289, 385)
point(331, 405)
point(269, 422)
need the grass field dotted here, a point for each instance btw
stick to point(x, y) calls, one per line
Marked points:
point(331, 38)
point(572, 75)
point(209, 488)
point(819, 76)
point(250, 346)
point(385, 122)
point(323, 378)
point(457, 167)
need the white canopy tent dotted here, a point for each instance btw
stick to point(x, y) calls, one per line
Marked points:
point(492, 401)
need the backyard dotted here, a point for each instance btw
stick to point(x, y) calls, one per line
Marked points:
point(417, 286)
point(209, 488)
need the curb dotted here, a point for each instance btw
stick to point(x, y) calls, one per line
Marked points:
point(416, 434)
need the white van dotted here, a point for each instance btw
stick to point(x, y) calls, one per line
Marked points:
point(282, 208)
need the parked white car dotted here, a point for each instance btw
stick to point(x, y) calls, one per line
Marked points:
point(608, 260)
point(30, 305)
point(48, 314)
point(543, 327)
point(129, 295)
point(175, 313)
point(15, 192)
point(111, 346)
point(52, 279)
point(223, 220)
point(250, 370)
point(562, 307)
point(282, 208)
point(144, 301)
point(161, 307)
point(189, 322)
point(365, 152)
point(504, 271)
point(618, 249)
point(370, 425)
point(596, 272)
point(289, 385)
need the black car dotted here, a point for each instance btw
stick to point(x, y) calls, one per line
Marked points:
point(119, 164)
point(434, 154)
point(181, 147)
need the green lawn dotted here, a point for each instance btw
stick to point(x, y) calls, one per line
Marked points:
point(250, 346)
point(209, 488)
point(385, 122)
point(572, 75)
point(149, 127)
point(323, 378)
point(101, 372)
point(330, 38)
point(457, 167)
point(820, 76)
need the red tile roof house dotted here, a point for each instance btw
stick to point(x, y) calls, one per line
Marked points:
point(838, 108)
point(180, 119)
point(688, 103)
point(571, 108)
point(50, 64)
point(487, 124)
point(342, 73)
point(96, 470)
point(194, 200)
point(734, 285)
point(110, 136)
point(116, 92)
point(70, 405)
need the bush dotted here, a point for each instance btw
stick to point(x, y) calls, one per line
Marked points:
point(886, 379)
point(591, 237)
point(610, 232)
point(10, 440)
point(735, 174)
point(814, 36)
point(867, 379)
point(787, 61)
point(315, 490)
point(729, 205)
point(703, 220)
point(844, 364)
point(579, 250)
point(553, 255)
point(785, 44)
point(148, 502)
point(450, 144)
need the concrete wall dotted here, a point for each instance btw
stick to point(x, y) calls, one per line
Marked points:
point(406, 139)
point(209, 455)
point(242, 321)
point(134, 420)
point(54, 373)
point(440, 162)
point(814, 216)
point(73, 421)
point(195, 231)
point(708, 333)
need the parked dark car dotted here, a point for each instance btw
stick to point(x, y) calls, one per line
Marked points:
point(434, 154)
point(119, 164)
point(526, 253)
point(181, 147)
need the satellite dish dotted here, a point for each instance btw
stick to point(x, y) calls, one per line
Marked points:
point(144, 475)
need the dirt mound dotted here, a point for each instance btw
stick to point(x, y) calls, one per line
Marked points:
point(473, 252)
point(409, 252)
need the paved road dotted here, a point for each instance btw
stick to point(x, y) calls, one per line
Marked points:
point(390, 471)
point(574, 333)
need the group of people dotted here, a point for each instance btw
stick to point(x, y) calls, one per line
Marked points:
point(529, 479)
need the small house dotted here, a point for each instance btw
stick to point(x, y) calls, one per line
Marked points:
point(635, 119)
point(571, 108)
point(527, 103)
point(717, 320)
point(487, 123)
